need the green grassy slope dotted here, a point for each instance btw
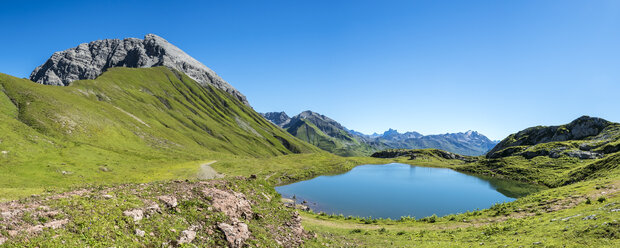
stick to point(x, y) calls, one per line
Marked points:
point(342, 143)
point(126, 125)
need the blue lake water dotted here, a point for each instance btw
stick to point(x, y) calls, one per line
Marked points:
point(395, 190)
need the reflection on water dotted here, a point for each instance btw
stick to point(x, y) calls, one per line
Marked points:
point(395, 190)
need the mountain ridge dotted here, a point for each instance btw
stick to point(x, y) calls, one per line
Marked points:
point(89, 60)
point(585, 137)
point(466, 143)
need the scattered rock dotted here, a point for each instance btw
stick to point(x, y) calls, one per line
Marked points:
point(187, 237)
point(52, 224)
point(537, 243)
point(169, 201)
point(233, 204)
point(153, 208)
point(570, 217)
point(267, 197)
point(2, 240)
point(136, 214)
point(107, 197)
point(236, 234)
point(583, 154)
point(590, 217)
point(140, 233)
point(104, 169)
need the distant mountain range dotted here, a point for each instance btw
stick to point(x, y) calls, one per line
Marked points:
point(331, 136)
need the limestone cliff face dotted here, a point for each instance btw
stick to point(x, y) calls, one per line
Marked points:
point(89, 60)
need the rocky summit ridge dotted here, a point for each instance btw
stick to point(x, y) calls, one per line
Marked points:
point(89, 60)
point(585, 137)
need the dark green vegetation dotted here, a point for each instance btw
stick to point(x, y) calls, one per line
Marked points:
point(128, 125)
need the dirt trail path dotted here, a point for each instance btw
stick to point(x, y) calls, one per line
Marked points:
point(207, 172)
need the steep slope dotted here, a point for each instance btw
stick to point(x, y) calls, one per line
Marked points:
point(322, 132)
point(585, 138)
point(127, 120)
point(89, 60)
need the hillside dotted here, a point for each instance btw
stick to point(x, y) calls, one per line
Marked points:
point(125, 121)
point(326, 134)
point(584, 138)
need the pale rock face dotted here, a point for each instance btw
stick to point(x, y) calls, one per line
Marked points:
point(89, 60)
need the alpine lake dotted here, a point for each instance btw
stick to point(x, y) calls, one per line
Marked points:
point(397, 190)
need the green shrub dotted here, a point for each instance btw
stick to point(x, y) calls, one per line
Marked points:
point(356, 230)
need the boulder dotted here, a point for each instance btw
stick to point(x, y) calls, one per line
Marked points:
point(169, 201)
point(236, 233)
point(136, 214)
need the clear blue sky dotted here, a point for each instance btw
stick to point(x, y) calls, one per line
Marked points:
point(429, 66)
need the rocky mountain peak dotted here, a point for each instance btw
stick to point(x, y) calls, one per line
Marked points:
point(278, 118)
point(317, 118)
point(390, 132)
point(89, 60)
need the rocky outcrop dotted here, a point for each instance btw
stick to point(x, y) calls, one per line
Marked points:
point(236, 233)
point(278, 118)
point(89, 60)
point(594, 130)
point(415, 154)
